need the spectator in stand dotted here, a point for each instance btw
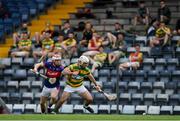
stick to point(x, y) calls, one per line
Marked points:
point(47, 45)
point(118, 49)
point(24, 46)
point(177, 29)
point(41, 36)
point(162, 37)
point(17, 36)
point(142, 14)
point(164, 13)
point(58, 47)
point(87, 34)
point(4, 13)
point(66, 29)
point(112, 36)
point(151, 31)
point(85, 13)
point(69, 46)
point(93, 45)
point(98, 59)
point(135, 59)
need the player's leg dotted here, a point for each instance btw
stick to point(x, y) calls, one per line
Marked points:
point(65, 95)
point(43, 103)
point(85, 94)
point(54, 95)
point(43, 100)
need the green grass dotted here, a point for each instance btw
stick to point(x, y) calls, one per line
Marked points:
point(88, 117)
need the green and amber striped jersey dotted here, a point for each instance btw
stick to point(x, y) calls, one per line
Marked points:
point(25, 43)
point(47, 44)
point(77, 81)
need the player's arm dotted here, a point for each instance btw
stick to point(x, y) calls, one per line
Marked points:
point(37, 66)
point(67, 71)
point(92, 79)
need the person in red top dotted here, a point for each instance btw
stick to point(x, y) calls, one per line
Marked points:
point(93, 45)
point(135, 59)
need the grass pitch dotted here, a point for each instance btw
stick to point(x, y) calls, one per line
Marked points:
point(89, 117)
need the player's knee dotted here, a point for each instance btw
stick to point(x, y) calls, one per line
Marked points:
point(90, 100)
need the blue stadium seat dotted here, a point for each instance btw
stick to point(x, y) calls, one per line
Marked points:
point(166, 110)
point(152, 75)
point(160, 64)
point(140, 75)
point(27, 97)
point(172, 63)
point(24, 86)
point(20, 74)
point(78, 109)
point(114, 108)
point(15, 98)
point(148, 64)
point(158, 87)
point(146, 87)
point(133, 87)
point(12, 86)
point(122, 86)
point(128, 109)
point(175, 76)
point(18, 109)
point(176, 110)
point(162, 99)
point(104, 109)
point(124, 98)
point(164, 76)
point(4, 96)
point(149, 98)
point(30, 108)
point(140, 109)
point(137, 99)
point(155, 110)
point(127, 75)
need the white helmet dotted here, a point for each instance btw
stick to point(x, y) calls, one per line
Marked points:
point(83, 59)
point(56, 57)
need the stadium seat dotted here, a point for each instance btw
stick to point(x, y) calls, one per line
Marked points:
point(5, 96)
point(30, 108)
point(156, 52)
point(12, 86)
point(175, 76)
point(20, 74)
point(160, 63)
point(137, 99)
point(176, 110)
point(16, 62)
point(104, 109)
point(133, 87)
point(36, 86)
point(104, 72)
point(109, 87)
point(152, 75)
point(146, 87)
point(37, 98)
point(124, 98)
point(149, 98)
point(154, 110)
point(122, 86)
point(66, 109)
point(164, 76)
point(148, 63)
point(114, 109)
point(6, 62)
point(18, 108)
point(24, 86)
point(140, 109)
point(172, 63)
point(158, 87)
point(140, 75)
point(166, 110)
point(15, 98)
point(170, 88)
point(3, 86)
point(75, 99)
point(38, 109)
point(99, 98)
point(167, 52)
point(162, 99)
point(127, 75)
point(27, 97)
point(78, 109)
point(28, 63)
point(128, 109)
point(174, 99)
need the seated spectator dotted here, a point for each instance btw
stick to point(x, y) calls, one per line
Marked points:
point(4, 13)
point(66, 29)
point(151, 31)
point(98, 59)
point(177, 29)
point(69, 46)
point(142, 14)
point(164, 13)
point(41, 36)
point(93, 45)
point(87, 34)
point(112, 36)
point(135, 59)
point(58, 47)
point(85, 13)
point(24, 46)
point(162, 37)
point(16, 36)
point(47, 45)
point(118, 49)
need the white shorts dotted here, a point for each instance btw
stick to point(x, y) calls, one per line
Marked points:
point(130, 64)
point(46, 92)
point(79, 90)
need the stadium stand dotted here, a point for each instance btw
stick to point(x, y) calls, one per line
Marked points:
point(153, 88)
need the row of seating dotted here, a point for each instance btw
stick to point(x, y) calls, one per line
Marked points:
point(99, 109)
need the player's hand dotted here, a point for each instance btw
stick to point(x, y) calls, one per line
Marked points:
point(75, 73)
point(98, 88)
